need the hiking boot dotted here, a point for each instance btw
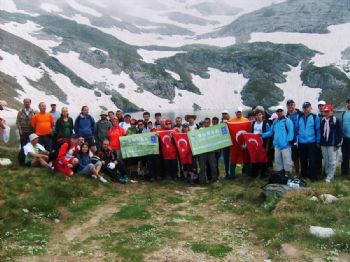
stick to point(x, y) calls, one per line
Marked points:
point(103, 180)
point(94, 176)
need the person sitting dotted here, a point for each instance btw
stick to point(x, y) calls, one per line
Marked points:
point(66, 159)
point(111, 164)
point(35, 154)
point(85, 165)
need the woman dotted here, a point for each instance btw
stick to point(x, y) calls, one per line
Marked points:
point(66, 159)
point(64, 125)
point(113, 134)
point(85, 165)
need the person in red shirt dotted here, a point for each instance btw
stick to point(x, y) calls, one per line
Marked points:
point(66, 158)
point(113, 134)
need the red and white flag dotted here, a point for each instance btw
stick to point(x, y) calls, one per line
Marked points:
point(238, 151)
point(167, 145)
point(183, 148)
point(257, 152)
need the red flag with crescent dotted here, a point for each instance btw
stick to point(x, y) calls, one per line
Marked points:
point(238, 151)
point(167, 145)
point(183, 148)
point(257, 152)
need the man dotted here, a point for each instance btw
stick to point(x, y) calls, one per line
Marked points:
point(214, 121)
point(331, 139)
point(85, 126)
point(321, 104)
point(178, 123)
point(146, 117)
point(43, 123)
point(111, 116)
point(283, 131)
point(246, 167)
point(35, 153)
point(56, 115)
point(158, 120)
point(207, 158)
point(346, 139)
point(126, 123)
point(308, 131)
point(226, 151)
point(190, 120)
point(293, 114)
point(102, 128)
point(119, 115)
point(24, 122)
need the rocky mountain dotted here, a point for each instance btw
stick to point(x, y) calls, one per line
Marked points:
point(179, 54)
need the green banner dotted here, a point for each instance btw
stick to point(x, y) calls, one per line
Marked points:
point(139, 145)
point(209, 139)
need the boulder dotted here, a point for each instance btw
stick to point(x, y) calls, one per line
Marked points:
point(328, 198)
point(289, 250)
point(314, 198)
point(322, 232)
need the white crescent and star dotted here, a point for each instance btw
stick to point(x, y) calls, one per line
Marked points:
point(179, 142)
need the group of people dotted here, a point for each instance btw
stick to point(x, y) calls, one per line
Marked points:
point(293, 139)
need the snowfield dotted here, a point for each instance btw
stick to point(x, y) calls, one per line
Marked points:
point(151, 56)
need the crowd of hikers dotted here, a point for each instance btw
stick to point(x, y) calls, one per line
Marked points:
point(297, 142)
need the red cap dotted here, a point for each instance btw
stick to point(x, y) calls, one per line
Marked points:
point(167, 121)
point(133, 121)
point(328, 108)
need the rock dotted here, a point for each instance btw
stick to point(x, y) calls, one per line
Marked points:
point(328, 198)
point(289, 250)
point(56, 220)
point(314, 198)
point(25, 210)
point(322, 232)
point(5, 162)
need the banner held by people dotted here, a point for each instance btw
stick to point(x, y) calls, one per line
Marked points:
point(256, 150)
point(139, 145)
point(183, 148)
point(238, 152)
point(209, 139)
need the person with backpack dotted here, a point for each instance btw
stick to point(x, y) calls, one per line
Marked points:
point(345, 149)
point(102, 128)
point(259, 126)
point(331, 139)
point(308, 135)
point(24, 121)
point(282, 131)
point(84, 125)
point(66, 158)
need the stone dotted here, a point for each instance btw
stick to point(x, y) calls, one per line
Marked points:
point(328, 198)
point(314, 198)
point(289, 250)
point(56, 220)
point(322, 232)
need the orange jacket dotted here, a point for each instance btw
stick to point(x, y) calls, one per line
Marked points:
point(114, 133)
point(43, 123)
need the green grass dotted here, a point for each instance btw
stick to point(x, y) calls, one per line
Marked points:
point(214, 250)
point(174, 199)
point(132, 211)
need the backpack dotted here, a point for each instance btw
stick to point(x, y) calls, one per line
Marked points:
point(278, 178)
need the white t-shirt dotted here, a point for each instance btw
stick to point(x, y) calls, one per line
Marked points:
point(124, 125)
point(258, 127)
point(29, 148)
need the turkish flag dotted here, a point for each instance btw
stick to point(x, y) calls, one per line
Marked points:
point(167, 145)
point(183, 148)
point(238, 151)
point(255, 148)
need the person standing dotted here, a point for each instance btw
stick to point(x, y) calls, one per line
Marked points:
point(43, 123)
point(226, 151)
point(64, 125)
point(320, 105)
point(308, 133)
point(114, 133)
point(84, 125)
point(190, 120)
point(56, 115)
point(158, 120)
point(126, 123)
point(282, 131)
point(331, 139)
point(24, 121)
point(346, 139)
point(102, 128)
point(178, 123)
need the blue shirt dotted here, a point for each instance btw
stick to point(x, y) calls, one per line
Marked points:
point(346, 124)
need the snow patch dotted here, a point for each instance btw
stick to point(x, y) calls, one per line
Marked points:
point(151, 56)
point(173, 74)
point(82, 8)
point(48, 7)
point(95, 48)
point(10, 6)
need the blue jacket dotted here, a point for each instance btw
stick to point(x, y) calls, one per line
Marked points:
point(84, 126)
point(84, 160)
point(283, 131)
point(294, 118)
point(308, 129)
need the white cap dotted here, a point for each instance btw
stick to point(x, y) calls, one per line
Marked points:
point(239, 109)
point(3, 103)
point(279, 108)
point(32, 137)
point(273, 116)
point(321, 103)
point(224, 112)
point(111, 165)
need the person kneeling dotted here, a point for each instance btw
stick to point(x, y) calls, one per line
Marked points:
point(35, 154)
point(85, 165)
point(111, 164)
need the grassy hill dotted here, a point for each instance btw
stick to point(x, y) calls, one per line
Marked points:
point(48, 218)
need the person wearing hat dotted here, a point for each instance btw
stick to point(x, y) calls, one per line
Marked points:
point(132, 130)
point(43, 123)
point(239, 116)
point(293, 114)
point(66, 159)
point(64, 125)
point(102, 128)
point(331, 139)
point(282, 131)
point(308, 130)
point(345, 149)
point(321, 104)
point(35, 154)
point(85, 126)
point(24, 121)
point(190, 120)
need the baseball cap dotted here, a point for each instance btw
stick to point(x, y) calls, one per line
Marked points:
point(104, 113)
point(167, 121)
point(307, 104)
point(279, 108)
point(32, 137)
point(239, 109)
point(328, 108)
point(290, 101)
point(259, 108)
point(224, 112)
point(273, 116)
point(133, 121)
point(321, 102)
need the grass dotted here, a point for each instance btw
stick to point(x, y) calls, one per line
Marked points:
point(214, 250)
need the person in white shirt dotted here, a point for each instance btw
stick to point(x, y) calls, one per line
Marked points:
point(190, 120)
point(126, 123)
point(35, 154)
